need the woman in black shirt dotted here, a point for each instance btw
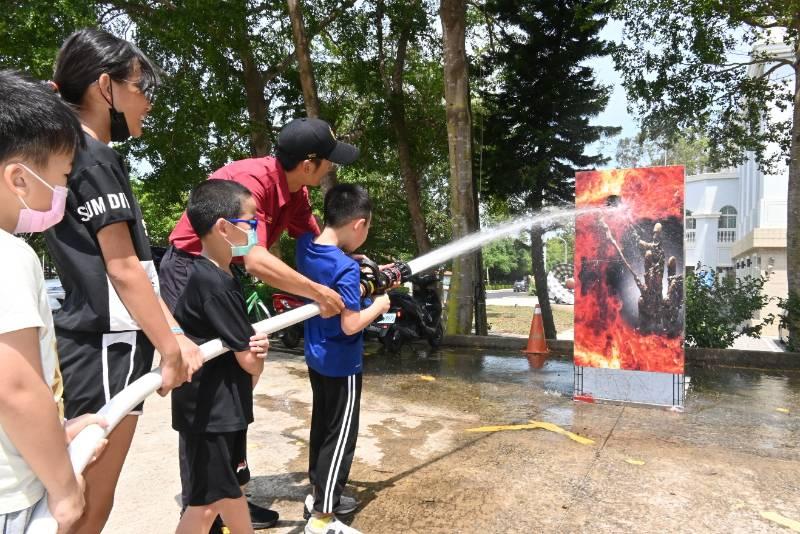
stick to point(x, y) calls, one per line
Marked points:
point(112, 316)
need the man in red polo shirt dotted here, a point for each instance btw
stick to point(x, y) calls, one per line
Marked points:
point(305, 152)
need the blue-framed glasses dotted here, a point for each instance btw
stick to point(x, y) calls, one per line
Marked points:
point(252, 222)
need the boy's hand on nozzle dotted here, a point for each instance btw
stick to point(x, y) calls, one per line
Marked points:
point(382, 302)
point(259, 345)
point(359, 257)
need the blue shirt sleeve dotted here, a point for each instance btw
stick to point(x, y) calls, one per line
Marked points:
point(301, 252)
point(349, 287)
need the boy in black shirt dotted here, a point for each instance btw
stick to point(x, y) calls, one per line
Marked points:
point(212, 412)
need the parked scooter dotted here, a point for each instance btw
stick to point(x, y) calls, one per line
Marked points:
point(281, 303)
point(411, 317)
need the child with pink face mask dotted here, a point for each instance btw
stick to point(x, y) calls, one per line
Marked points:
point(38, 138)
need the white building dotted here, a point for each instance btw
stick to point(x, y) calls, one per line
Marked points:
point(736, 224)
point(737, 219)
point(712, 213)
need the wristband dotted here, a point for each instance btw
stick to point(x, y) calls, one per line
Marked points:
point(177, 330)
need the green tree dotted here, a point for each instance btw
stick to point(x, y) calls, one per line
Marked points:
point(736, 301)
point(231, 81)
point(537, 128)
point(557, 249)
point(32, 32)
point(729, 70)
point(688, 149)
point(506, 260)
point(407, 106)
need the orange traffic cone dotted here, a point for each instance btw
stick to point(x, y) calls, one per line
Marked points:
point(537, 346)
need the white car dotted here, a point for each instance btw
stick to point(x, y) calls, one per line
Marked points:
point(55, 293)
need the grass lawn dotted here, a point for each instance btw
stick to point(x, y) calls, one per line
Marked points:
point(517, 319)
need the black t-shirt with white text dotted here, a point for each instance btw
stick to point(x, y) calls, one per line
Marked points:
point(220, 396)
point(99, 195)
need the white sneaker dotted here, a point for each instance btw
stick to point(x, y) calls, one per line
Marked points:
point(347, 505)
point(333, 527)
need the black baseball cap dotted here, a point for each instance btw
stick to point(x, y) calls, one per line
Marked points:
point(313, 138)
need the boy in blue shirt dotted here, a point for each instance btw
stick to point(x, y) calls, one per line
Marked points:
point(334, 349)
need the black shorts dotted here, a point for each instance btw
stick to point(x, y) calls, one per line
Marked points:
point(213, 466)
point(173, 274)
point(96, 366)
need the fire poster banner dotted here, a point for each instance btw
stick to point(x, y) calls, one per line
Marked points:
point(629, 265)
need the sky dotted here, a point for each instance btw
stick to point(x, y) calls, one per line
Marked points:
point(616, 113)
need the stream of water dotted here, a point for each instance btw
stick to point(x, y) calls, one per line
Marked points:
point(486, 236)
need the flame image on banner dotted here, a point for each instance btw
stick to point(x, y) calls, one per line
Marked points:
point(629, 262)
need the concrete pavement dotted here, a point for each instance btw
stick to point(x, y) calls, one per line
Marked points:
point(731, 457)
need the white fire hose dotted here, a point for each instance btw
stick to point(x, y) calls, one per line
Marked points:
point(82, 448)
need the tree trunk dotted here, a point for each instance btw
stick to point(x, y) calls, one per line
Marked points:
point(260, 144)
point(793, 215)
point(307, 81)
point(461, 298)
point(256, 103)
point(481, 321)
point(410, 179)
point(540, 278)
point(395, 99)
point(303, 55)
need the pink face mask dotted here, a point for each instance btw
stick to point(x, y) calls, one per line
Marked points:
point(38, 221)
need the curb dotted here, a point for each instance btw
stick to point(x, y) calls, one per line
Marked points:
point(695, 356)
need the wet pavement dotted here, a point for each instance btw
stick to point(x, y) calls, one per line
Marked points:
point(731, 456)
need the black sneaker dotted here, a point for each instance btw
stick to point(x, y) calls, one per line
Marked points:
point(262, 517)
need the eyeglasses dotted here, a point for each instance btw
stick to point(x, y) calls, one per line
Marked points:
point(146, 88)
point(252, 222)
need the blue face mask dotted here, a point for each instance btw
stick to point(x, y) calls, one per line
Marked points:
point(252, 238)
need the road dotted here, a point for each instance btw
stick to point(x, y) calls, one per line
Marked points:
point(507, 297)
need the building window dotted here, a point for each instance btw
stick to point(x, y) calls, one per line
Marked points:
point(691, 222)
point(690, 226)
point(726, 227)
point(726, 272)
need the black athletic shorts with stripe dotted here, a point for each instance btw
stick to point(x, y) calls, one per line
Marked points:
point(96, 366)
